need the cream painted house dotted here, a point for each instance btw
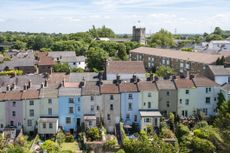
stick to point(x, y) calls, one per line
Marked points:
point(31, 110)
point(148, 104)
point(2, 112)
point(91, 104)
point(48, 108)
point(111, 105)
point(187, 93)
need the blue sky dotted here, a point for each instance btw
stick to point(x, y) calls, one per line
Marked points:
point(67, 16)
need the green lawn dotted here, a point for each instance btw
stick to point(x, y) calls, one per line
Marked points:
point(72, 146)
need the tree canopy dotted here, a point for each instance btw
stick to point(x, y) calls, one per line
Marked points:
point(163, 39)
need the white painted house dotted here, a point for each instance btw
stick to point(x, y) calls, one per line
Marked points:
point(206, 95)
point(219, 45)
point(219, 74)
point(68, 57)
point(186, 91)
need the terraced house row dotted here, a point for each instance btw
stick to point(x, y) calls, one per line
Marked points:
point(44, 103)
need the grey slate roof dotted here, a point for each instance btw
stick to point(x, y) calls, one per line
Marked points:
point(88, 76)
point(58, 54)
point(90, 88)
point(165, 84)
point(219, 70)
point(69, 91)
point(20, 81)
point(48, 93)
point(226, 87)
point(17, 62)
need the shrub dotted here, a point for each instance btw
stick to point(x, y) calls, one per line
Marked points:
point(202, 145)
point(93, 134)
point(11, 72)
point(79, 70)
point(111, 144)
point(201, 124)
point(69, 137)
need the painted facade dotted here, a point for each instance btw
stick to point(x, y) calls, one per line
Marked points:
point(69, 112)
point(130, 107)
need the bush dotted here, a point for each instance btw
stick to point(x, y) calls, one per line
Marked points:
point(69, 137)
point(120, 151)
point(202, 145)
point(166, 133)
point(93, 134)
point(79, 70)
point(61, 68)
point(187, 49)
point(182, 130)
point(11, 72)
point(201, 124)
point(111, 144)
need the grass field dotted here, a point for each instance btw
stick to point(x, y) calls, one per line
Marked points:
point(72, 146)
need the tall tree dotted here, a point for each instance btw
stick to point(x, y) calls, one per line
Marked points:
point(96, 58)
point(163, 39)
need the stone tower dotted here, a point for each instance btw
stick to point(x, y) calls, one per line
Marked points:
point(139, 35)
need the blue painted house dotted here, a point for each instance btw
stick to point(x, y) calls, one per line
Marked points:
point(129, 103)
point(70, 111)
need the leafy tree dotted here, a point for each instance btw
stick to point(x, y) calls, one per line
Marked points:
point(122, 54)
point(163, 39)
point(164, 71)
point(214, 37)
point(41, 41)
point(50, 147)
point(96, 58)
point(45, 49)
point(221, 99)
point(218, 31)
point(81, 36)
point(14, 149)
point(182, 130)
point(145, 145)
point(201, 145)
point(93, 134)
point(2, 143)
point(102, 32)
point(61, 67)
point(60, 137)
point(222, 120)
point(19, 45)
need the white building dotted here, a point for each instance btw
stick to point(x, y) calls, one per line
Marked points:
point(206, 95)
point(219, 45)
point(68, 57)
point(196, 95)
point(219, 74)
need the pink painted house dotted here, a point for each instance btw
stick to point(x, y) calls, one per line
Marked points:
point(14, 108)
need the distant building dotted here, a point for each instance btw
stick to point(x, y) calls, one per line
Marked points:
point(219, 73)
point(68, 57)
point(139, 35)
point(182, 62)
point(125, 69)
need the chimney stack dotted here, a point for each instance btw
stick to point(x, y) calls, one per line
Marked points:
point(8, 87)
point(29, 84)
point(118, 80)
point(46, 83)
point(25, 87)
point(42, 85)
point(151, 77)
